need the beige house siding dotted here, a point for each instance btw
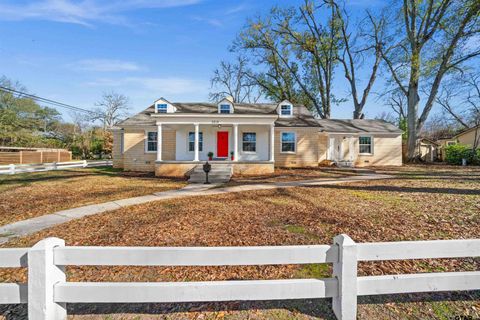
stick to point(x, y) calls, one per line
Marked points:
point(117, 149)
point(306, 154)
point(387, 151)
point(322, 147)
point(311, 148)
point(468, 138)
point(168, 144)
point(135, 158)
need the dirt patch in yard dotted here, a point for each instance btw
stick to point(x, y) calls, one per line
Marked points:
point(415, 205)
point(29, 195)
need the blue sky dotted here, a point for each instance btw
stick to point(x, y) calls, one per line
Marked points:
point(72, 51)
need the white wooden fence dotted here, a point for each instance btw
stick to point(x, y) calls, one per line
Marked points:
point(47, 290)
point(22, 168)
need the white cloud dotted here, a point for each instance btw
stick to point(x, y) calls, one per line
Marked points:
point(105, 65)
point(211, 21)
point(236, 9)
point(84, 12)
point(168, 86)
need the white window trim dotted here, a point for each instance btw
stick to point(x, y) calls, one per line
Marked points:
point(451, 143)
point(230, 108)
point(249, 152)
point(188, 141)
point(161, 103)
point(146, 141)
point(372, 145)
point(295, 145)
point(286, 115)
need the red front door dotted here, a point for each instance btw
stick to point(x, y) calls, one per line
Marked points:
point(222, 144)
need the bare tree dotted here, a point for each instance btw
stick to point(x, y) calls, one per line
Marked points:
point(432, 41)
point(299, 52)
point(110, 109)
point(460, 100)
point(353, 54)
point(387, 117)
point(446, 98)
point(398, 103)
point(235, 80)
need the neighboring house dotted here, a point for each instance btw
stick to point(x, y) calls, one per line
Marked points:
point(172, 138)
point(428, 150)
point(469, 137)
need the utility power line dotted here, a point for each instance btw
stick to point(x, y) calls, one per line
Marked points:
point(45, 100)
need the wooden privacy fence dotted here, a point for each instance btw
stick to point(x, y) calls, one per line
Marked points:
point(47, 290)
point(23, 168)
point(23, 157)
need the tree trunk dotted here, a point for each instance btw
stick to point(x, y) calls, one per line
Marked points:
point(413, 100)
point(412, 133)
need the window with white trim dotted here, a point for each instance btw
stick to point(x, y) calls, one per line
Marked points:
point(249, 142)
point(286, 110)
point(225, 108)
point(288, 141)
point(162, 108)
point(191, 141)
point(365, 145)
point(151, 141)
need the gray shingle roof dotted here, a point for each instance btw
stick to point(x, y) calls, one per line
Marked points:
point(301, 116)
point(357, 126)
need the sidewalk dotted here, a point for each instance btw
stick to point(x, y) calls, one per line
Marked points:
point(29, 226)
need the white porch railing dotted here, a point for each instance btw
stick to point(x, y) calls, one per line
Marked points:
point(47, 290)
point(22, 168)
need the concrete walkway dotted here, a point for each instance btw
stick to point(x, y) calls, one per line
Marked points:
point(29, 226)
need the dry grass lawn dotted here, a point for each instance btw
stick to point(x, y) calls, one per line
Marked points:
point(420, 203)
point(28, 195)
point(289, 174)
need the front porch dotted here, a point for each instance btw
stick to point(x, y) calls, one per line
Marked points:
point(245, 143)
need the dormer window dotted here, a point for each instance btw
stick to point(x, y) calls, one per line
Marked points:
point(225, 108)
point(161, 107)
point(286, 110)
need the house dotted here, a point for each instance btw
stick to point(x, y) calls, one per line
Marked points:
point(173, 138)
point(428, 149)
point(469, 137)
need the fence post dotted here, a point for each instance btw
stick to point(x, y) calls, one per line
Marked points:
point(12, 168)
point(41, 156)
point(345, 270)
point(85, 164)
point(21, 157)
point(43, 275)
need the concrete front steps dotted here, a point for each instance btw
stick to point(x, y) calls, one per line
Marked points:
point(220, 173)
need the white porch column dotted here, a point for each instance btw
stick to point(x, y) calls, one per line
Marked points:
point(235, 142)
point(196, 144)
point(159, 142)
point(272, 142)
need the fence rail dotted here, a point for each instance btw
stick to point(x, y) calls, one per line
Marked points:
point(40, 167)
point(47, 291)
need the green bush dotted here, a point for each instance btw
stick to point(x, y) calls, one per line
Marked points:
point(455, 153)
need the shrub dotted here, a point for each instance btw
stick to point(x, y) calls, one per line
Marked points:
point(455, 153)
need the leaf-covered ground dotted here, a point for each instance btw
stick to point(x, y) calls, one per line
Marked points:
point(420, 203)
point(28, 195)
point(289, 174)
